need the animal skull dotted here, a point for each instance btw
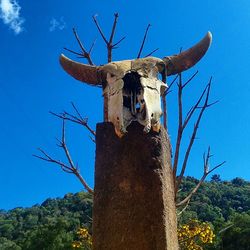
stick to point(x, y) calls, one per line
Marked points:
point(132, 87)
point(133, 93)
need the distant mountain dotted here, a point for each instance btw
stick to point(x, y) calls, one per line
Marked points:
point(53, 224)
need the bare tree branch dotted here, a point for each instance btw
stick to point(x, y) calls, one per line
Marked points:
point(164, 101)
point(92, 139)
point(152, 52)
point(114, 46)
point(110, 46)
point(190, 79)
point(187, 203)
point(48, 158)
point(195, 129)
point(76, 119)
point(113, 28)
point(76, 110)
point(109, 42)
point(76, 53)
point(192, 110)
point(180, 129)
point(143, 41)
point(182, 125)
point(164, 104)
point(85, 53)
point(70, 168)
point(170, 85)
point(206, 172)
point(92, 46)
point(99, 29)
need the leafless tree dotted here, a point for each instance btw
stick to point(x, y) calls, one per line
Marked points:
point(201, 105)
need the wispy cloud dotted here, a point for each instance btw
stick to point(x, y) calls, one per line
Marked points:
point(56, 24)
point(10, 14)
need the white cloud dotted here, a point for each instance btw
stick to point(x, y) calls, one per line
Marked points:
point(57, 24)
point(10, 14)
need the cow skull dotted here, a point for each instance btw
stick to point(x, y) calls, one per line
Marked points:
point(132, 87)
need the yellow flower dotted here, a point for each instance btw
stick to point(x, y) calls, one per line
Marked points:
point(190, 234)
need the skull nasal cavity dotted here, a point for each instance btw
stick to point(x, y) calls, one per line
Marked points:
point(132, 83)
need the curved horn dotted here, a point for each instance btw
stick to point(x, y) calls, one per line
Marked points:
point(82, 72)
point(186, 59)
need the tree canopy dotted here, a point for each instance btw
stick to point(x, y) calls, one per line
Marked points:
point(54, 223)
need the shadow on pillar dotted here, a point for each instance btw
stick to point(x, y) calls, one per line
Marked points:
point(134, 196)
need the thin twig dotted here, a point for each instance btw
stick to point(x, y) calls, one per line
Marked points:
point(192, 110)
point(92, 139)
point(71, 168)
point(47, 158)
point(225, 228)
point(76, 119)
point(109, 42)
point(180, 130)
point(182, 125)
point(164, 104)
point(92, 46)
point(76, 53)
point(85, 53)
point(193, 136)
point(99, 29)
point(110, 46)
point(76, 110)
point(65, 148)
point(143, 41)
point(206, 172)
point(187, 203)
point(171, 84)
point(164, 101)
point(190, 79)
point(113, 28)
point(114, 46)
point(152, 52)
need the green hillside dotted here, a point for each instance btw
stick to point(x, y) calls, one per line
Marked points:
point(226, 205)
point(53, 224)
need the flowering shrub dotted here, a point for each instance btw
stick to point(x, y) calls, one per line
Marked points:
point(84, 239)
point(194, 235)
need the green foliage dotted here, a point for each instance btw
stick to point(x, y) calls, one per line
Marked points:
point(216, 178)
point(53, 225)
point(226, 205)
point(216, 199)
point(237, 234)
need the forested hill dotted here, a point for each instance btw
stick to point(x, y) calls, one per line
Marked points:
point(49, 226)
point(216, 199)
point(53, 224)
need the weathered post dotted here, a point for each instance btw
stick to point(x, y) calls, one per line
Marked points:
point(134, 205)
point(134, 193)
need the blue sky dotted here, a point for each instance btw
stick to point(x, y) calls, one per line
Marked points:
point(32, 83)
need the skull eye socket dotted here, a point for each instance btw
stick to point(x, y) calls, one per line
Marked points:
point(132, 82)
